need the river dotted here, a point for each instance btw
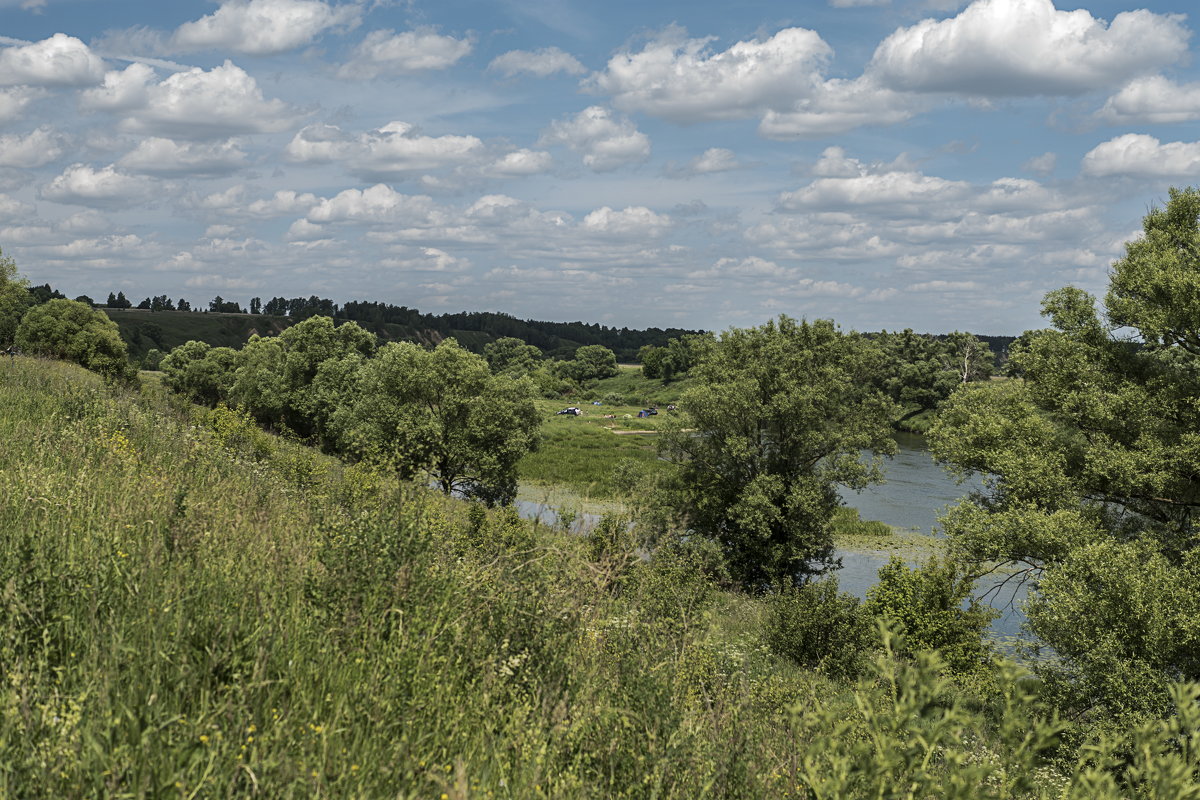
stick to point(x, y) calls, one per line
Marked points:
point(916, 491)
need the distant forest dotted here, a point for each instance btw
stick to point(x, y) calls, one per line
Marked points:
point(473, 329)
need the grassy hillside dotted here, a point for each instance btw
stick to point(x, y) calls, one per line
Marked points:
point(192, 608)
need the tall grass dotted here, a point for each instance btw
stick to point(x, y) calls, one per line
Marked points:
point(191, 608)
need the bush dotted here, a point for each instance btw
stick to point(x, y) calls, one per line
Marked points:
point(819, 627)
point(76, 332)
point(927, 605)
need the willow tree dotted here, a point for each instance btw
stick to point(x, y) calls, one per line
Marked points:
point(1095, 464)
point(776, 421)
point(439, 415)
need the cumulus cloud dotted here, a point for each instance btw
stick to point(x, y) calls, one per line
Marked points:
point(121, 90)
point(60, 60)
point(396, 150)
point(1139, 155)
point(1042, 165)
point(683, 79)
point(284, 201)
point(893, 190)
point(425, 259)
point(519, 163)
point(540, 63)
point(35, 149)
point(378, 204)
point(1026, 47)
point(264, 27)
point(839, 105)
point(631, 221)
point(196, 104)
point(158, 156)
point(385, 52)
point(13, 103)
point(83, 185)
point(1153, 99)
point(605, 140)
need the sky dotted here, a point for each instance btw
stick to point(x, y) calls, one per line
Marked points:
point(931, 164)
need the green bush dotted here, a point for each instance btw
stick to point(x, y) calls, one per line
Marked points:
point(817, 626)
point(926, 603)
point(76, 332)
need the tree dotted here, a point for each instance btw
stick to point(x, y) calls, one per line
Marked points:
point(120, 301)
point(219, 304)
point(145, 304)
point(161, 303)
point(1095, 465)
point(77, 332)
point(255, 305)
point(14, 299)
point(183, 305)
point(440, 414)
point(777, 420)
point(511, 355)
point(83, 298)
point(275, 374)
point(591, 362)
point(200, 371)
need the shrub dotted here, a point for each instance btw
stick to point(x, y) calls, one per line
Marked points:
point(927, 605)
point(819, 627)
point(76, 332)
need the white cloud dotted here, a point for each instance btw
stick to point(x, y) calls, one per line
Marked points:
point(426, 259)
point(82, 185)
point(521, 162)
point(1042, 165)
point(747, 267)
point(1026, 47)
point(839, 105)
point(122, 90)
point(264, 27)
point(606, 142)
point(896, 191)
point(13, 103)
point(682, 79)
point(157, 156)
point(542, 63)
point(378, 204)
point(36, 149)
point(60, 60)
point(1143, 156)
point(631, 221)
point(385, 52)
point(203, 104)
point(1153, 99)
point(395, 150)
point(284, 201)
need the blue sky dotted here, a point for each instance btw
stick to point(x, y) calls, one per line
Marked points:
point(930, 164)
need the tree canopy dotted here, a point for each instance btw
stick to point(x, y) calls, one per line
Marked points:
point(777, 420)
point(77, 332)
point(14, 299)
point(1095, 465)
point(439, 413)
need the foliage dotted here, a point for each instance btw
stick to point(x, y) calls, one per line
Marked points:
point(1095, 458)
point(440, 413)
point(76, 332)
point(511, 355)
point(201, 373)
point(14, 299)
point(591, 362)
point(818, 627)
point(276, 376)
point(778, 418)
point(926, 605)
point(922, 370)
point(676, 357)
